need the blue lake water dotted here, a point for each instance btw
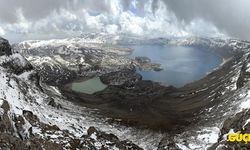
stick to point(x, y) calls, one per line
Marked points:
point(181, 65)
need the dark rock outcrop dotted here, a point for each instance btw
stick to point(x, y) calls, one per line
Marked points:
point(17, 64)
point(5, 48)
point(5, 123)
point(94, 134)
point(244, 74)
point(144, 63)
point(142, 60)
point(126, 77)
point(167, 143)
point(235, 123)
point(54, 104)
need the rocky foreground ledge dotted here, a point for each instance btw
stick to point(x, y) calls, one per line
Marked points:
point(32, 119)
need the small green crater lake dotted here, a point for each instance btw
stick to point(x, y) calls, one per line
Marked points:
point(89, 86)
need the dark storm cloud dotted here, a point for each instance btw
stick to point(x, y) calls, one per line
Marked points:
point(231, 16)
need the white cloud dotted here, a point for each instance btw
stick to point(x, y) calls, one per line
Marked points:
point(2, 32)
point(112, 29)
point(202, 28)
point(77, 18)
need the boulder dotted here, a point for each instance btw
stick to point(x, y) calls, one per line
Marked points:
point(167, 143)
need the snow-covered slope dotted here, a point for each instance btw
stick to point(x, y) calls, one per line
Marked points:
point(37, 118)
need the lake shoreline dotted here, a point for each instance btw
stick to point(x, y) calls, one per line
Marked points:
point(225, 58)
point(180, 64)
point(119, 103)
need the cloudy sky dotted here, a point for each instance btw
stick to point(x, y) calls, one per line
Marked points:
point(45, 19)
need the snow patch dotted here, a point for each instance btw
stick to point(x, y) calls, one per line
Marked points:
point(209, 136)
point(93, 136)
point(1, 102)
point(246, 103)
